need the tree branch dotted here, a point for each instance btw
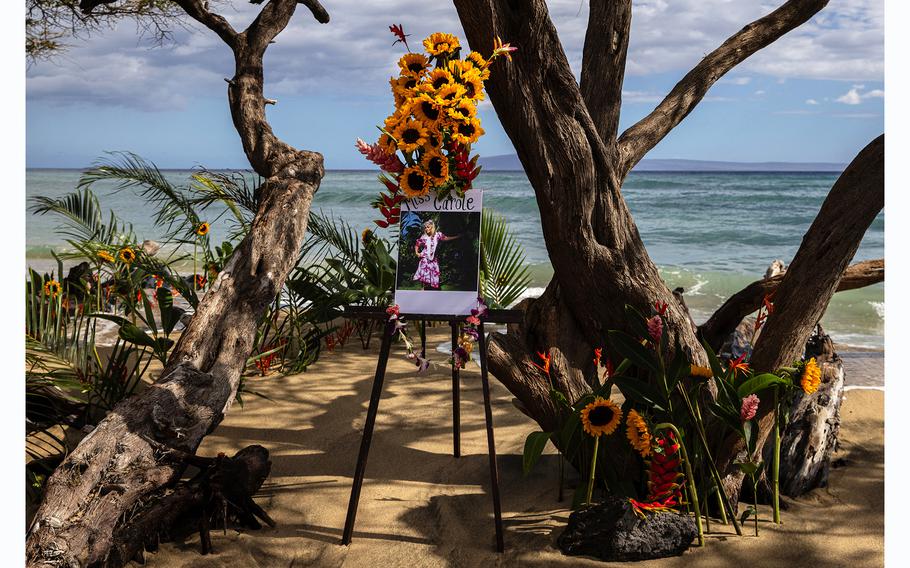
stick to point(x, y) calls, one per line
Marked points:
point(646, 133)
point(749, 299)
point(196, 10)
point(603, 64)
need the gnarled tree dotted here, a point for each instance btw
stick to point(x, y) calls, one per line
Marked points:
point(120, 463)
point(566, 136)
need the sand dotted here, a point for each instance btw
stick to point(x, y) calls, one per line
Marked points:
point(420, 506)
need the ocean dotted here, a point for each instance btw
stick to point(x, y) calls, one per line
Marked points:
point(711, 233)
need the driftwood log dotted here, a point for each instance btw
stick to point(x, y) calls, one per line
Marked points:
point(118, 467)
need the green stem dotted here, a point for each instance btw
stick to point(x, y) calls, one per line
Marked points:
point(775, 472)
point(690, 479)
point(591, 476)
point(755, 502)
point(722, 495)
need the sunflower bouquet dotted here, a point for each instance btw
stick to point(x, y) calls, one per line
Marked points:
point(425, 144)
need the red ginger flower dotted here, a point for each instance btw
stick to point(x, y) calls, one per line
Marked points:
point(750, 407)
point(374, 153)
point(655, 328)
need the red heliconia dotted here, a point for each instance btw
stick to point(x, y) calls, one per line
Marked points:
point(664, 478)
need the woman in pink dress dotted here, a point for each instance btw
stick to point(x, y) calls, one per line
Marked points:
point(428, 270)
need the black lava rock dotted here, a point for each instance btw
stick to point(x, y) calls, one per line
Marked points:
point(612, 531)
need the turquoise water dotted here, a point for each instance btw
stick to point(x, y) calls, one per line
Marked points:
point(711, 233)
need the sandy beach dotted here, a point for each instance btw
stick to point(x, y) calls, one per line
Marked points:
point(420, 506)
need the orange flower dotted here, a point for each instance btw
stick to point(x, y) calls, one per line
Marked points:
point(546, 362)
point(737, 365)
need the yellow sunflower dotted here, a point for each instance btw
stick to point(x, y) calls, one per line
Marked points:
point(105, 256)
point(203, 229)
point(387, 143)
point(477, 60)
point(413, 64)
point(457, 67)
point(411, 134)
point(464, 109)
point(52, 288)
point(414, 182)
point(601, 417)
point(425, 108)
point(638, 433)
point(127, 255)
point(473, 85)
point(441, 44)
point(434, 138)
point(699, 371)
point(450, 94)
point(812, 376)
point(403, 88)
point(466, 131)
point(436, 166)
point(439, 78)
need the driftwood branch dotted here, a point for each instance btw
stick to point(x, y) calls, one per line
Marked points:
point(685, 96)
point(604, 63)
point(749, 299)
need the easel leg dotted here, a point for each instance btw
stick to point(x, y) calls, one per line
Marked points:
point(423, 339)
point(491, 444)
point(367, 434)
point(456, 396)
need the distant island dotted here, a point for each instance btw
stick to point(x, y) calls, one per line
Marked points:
point(510, 162)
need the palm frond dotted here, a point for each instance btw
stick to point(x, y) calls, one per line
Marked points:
point(504, 273)
point(174, 209)
point(81, 216)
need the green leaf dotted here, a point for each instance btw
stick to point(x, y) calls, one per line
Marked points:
point(759, 383)
point(640, 392)
point(560, 399)
point(716, 366)
point(634, 351)
point(637, 321)
point(534, 445)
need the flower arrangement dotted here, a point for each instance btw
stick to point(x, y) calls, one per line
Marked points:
point(425, 144)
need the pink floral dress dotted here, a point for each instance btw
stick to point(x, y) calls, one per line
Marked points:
point(428, 269)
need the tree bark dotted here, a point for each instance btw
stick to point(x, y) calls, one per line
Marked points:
point(119, 464)
point(827, 248)
point(723, 321)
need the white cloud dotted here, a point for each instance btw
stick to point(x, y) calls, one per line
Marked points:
point(855, 97)
point(759, 92)
point(736, 80)
point(811, 102)
point(353, 56)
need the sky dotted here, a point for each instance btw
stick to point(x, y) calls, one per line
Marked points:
point(817, 94)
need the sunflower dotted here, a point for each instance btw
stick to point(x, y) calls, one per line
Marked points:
point(464, 109)
point(450, 94)
point(52, 288)
point(411, 134)
point(699, 371)
point(434, 138)
point(105, 256)
point(466, 131)
point(203, 229)
point(638, 433)
point(812, 376)
point(402, 88)
point(436, 166)
point(441, 44)
point(473, 85)
point(127, 255)
point(387, 143)
point(439, 78)
point(414, 182)
point(457, 67)
point(413, 64)
point(425, 108)
point(367, 236)
point(477, 60)
point(600, 417)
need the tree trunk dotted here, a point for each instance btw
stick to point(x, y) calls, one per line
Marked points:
point(565, 136)
point(801, 298)
point(111, 473)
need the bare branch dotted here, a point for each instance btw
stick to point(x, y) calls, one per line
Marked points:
point(196, 10)
point(604, 63)
point(749, 299)
point(646, 133)
point(320, 13)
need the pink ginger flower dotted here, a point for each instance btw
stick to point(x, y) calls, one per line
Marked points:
point(750, 407)
point(387, 162)
point(655, 328)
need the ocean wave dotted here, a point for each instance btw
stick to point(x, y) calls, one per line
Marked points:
point(879, 308)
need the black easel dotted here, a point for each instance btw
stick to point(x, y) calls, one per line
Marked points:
point(498, 316)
